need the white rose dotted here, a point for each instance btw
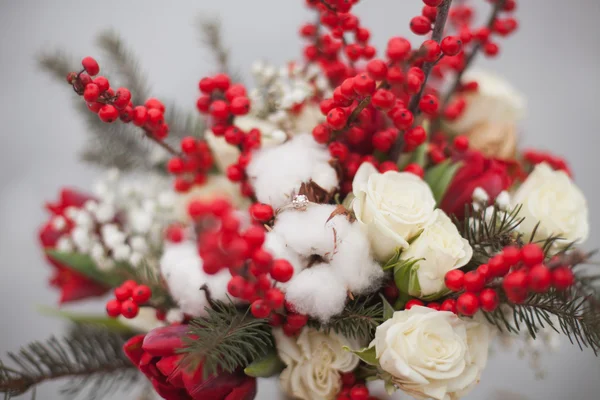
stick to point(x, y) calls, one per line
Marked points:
point(552, 199)
point(393, 206)
point(441, 249)
point(432, 354)
point(495, 101)
point(314, 361)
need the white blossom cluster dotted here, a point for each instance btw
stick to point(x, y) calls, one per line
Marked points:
point(124, 223)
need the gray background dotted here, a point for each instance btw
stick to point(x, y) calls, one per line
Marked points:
point(553, 60)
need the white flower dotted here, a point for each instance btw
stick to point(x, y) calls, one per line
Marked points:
point(495, 101)
point(440, 249)
point(181, 266)
point(331, 256)
point(432, 354)
point(552, 199)
point(314, 361)
point(277, 173)
point(394, 207)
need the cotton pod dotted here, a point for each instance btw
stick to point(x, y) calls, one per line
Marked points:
point(330, 255)
point(276, 173)
point(181, 267)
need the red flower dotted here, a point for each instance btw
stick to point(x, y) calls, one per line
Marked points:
point(73, 285)
point(477, 171)
point(155, 354)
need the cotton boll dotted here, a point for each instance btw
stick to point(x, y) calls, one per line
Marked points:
point(175, 316)
point(277, 173)
point(317, 292)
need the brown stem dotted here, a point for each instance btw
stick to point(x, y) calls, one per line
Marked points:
point(438, 32)
point(490, 24)
point(170, 149)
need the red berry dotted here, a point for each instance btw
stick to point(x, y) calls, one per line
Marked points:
point(254, 236)
point(260, 309)
point(141, 294)
point(85, 79)
point(363, 85)
point(113, 308)
point(454, 280)
point(130, 284)
point(488, 298)
point(188, 145)
point(90, 65)
point(420, 25)
point(221, 81)
point(359, 392)
point(449, 305)
point(474, 281)
point(263, 259)
point(139, 115)
point(236, 285)
point(532, 254)
point(403, 119)
point(461, 143)
point(275, 319)
point(429, 104)
point(434, 306)
point(274, 298)
point(491, 49)
point(484, 270)
point(182, 185)
point(108, 113)
point(155, 117)
point(415, 136)
point(337, 118)
point(383, 99)
point(415, 169)
point(398, 49)
point(235, 173)
point(261, 212)
point(174, 233)
point(562, 278)
point(321, 133)
point(206, 85)
point(219, 109)
point(467, 304)
point(387, 166)
point(377, 69)
point(390, 291)
point(540, 278)
point(515, 286)
point(297, 321)
point(412, 303)
point(240, 106)
point(326, 105)
point(282, 270)
point(430, 49)
point(348, 378)
point(383, 140)
point(94, 107)
point(395, 75)
point(156, 104)
point(429, 12)
point(451, 45)
point(203, 104)
point(498, 266)
point(91, 92)
point(129, 309)
point(102, 83)
point(235, 90)
point(123, 293)
point(197, 209)
point(123, 96)
point(433, 3)
point(338, 150)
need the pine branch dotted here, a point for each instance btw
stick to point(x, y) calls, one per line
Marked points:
point(359, 319)
point(89, 356)
point(183, 123)
point(126, 64)
point(211, 36)
point(227, 339)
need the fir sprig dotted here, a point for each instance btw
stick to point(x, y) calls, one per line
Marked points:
point(90, 356)
point(359, 319)
point(227, 339)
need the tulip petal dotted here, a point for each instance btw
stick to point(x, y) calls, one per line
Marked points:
point(164, 341)
point(133, 349)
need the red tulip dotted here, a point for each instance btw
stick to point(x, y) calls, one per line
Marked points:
point(155, 354)
point(477, 171)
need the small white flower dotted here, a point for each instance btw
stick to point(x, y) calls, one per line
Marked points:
point(59, 223)
point(314, 361)
point(140, 221)
point(97, 252)
point(393, 207)
point(166, 199)
point(480, 195)
point(136, 259)
point(105, 265)
point(139, 244)
point(121, 252)
point(503, 200)
point(105, 213)
point(71, 212)
point(84, 220)
point(91, 206)
point(64, 244)
point(432, 354)
point(551, 199)
point(279, 136)
point(81, 239)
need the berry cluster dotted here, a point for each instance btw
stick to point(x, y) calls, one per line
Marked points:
point(517, 271)
point(290, 321)
point(224, 243)
point(112, 104)
point(223, 101)
point(352, 389)
point(128, 298)
point(192, 165)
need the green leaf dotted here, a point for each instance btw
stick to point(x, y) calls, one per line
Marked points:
point(439, 178)
point(405, 276)
point(267, 366)
point(394, 260)
point(388, 310)
point(390, 388)
point(367, 354)
point(111, 324)
point(84, 264)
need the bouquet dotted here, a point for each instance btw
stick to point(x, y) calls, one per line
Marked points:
point(360, 215)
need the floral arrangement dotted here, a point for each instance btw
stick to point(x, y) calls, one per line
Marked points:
point(359, 215)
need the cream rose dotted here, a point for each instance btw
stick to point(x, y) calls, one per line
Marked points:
point(314, 361)
point(432, 354)
point(552, 199)
point(393, 206)
point(441, 249)
point(495, 101)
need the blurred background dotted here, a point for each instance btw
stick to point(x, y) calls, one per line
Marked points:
point(553, 60)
